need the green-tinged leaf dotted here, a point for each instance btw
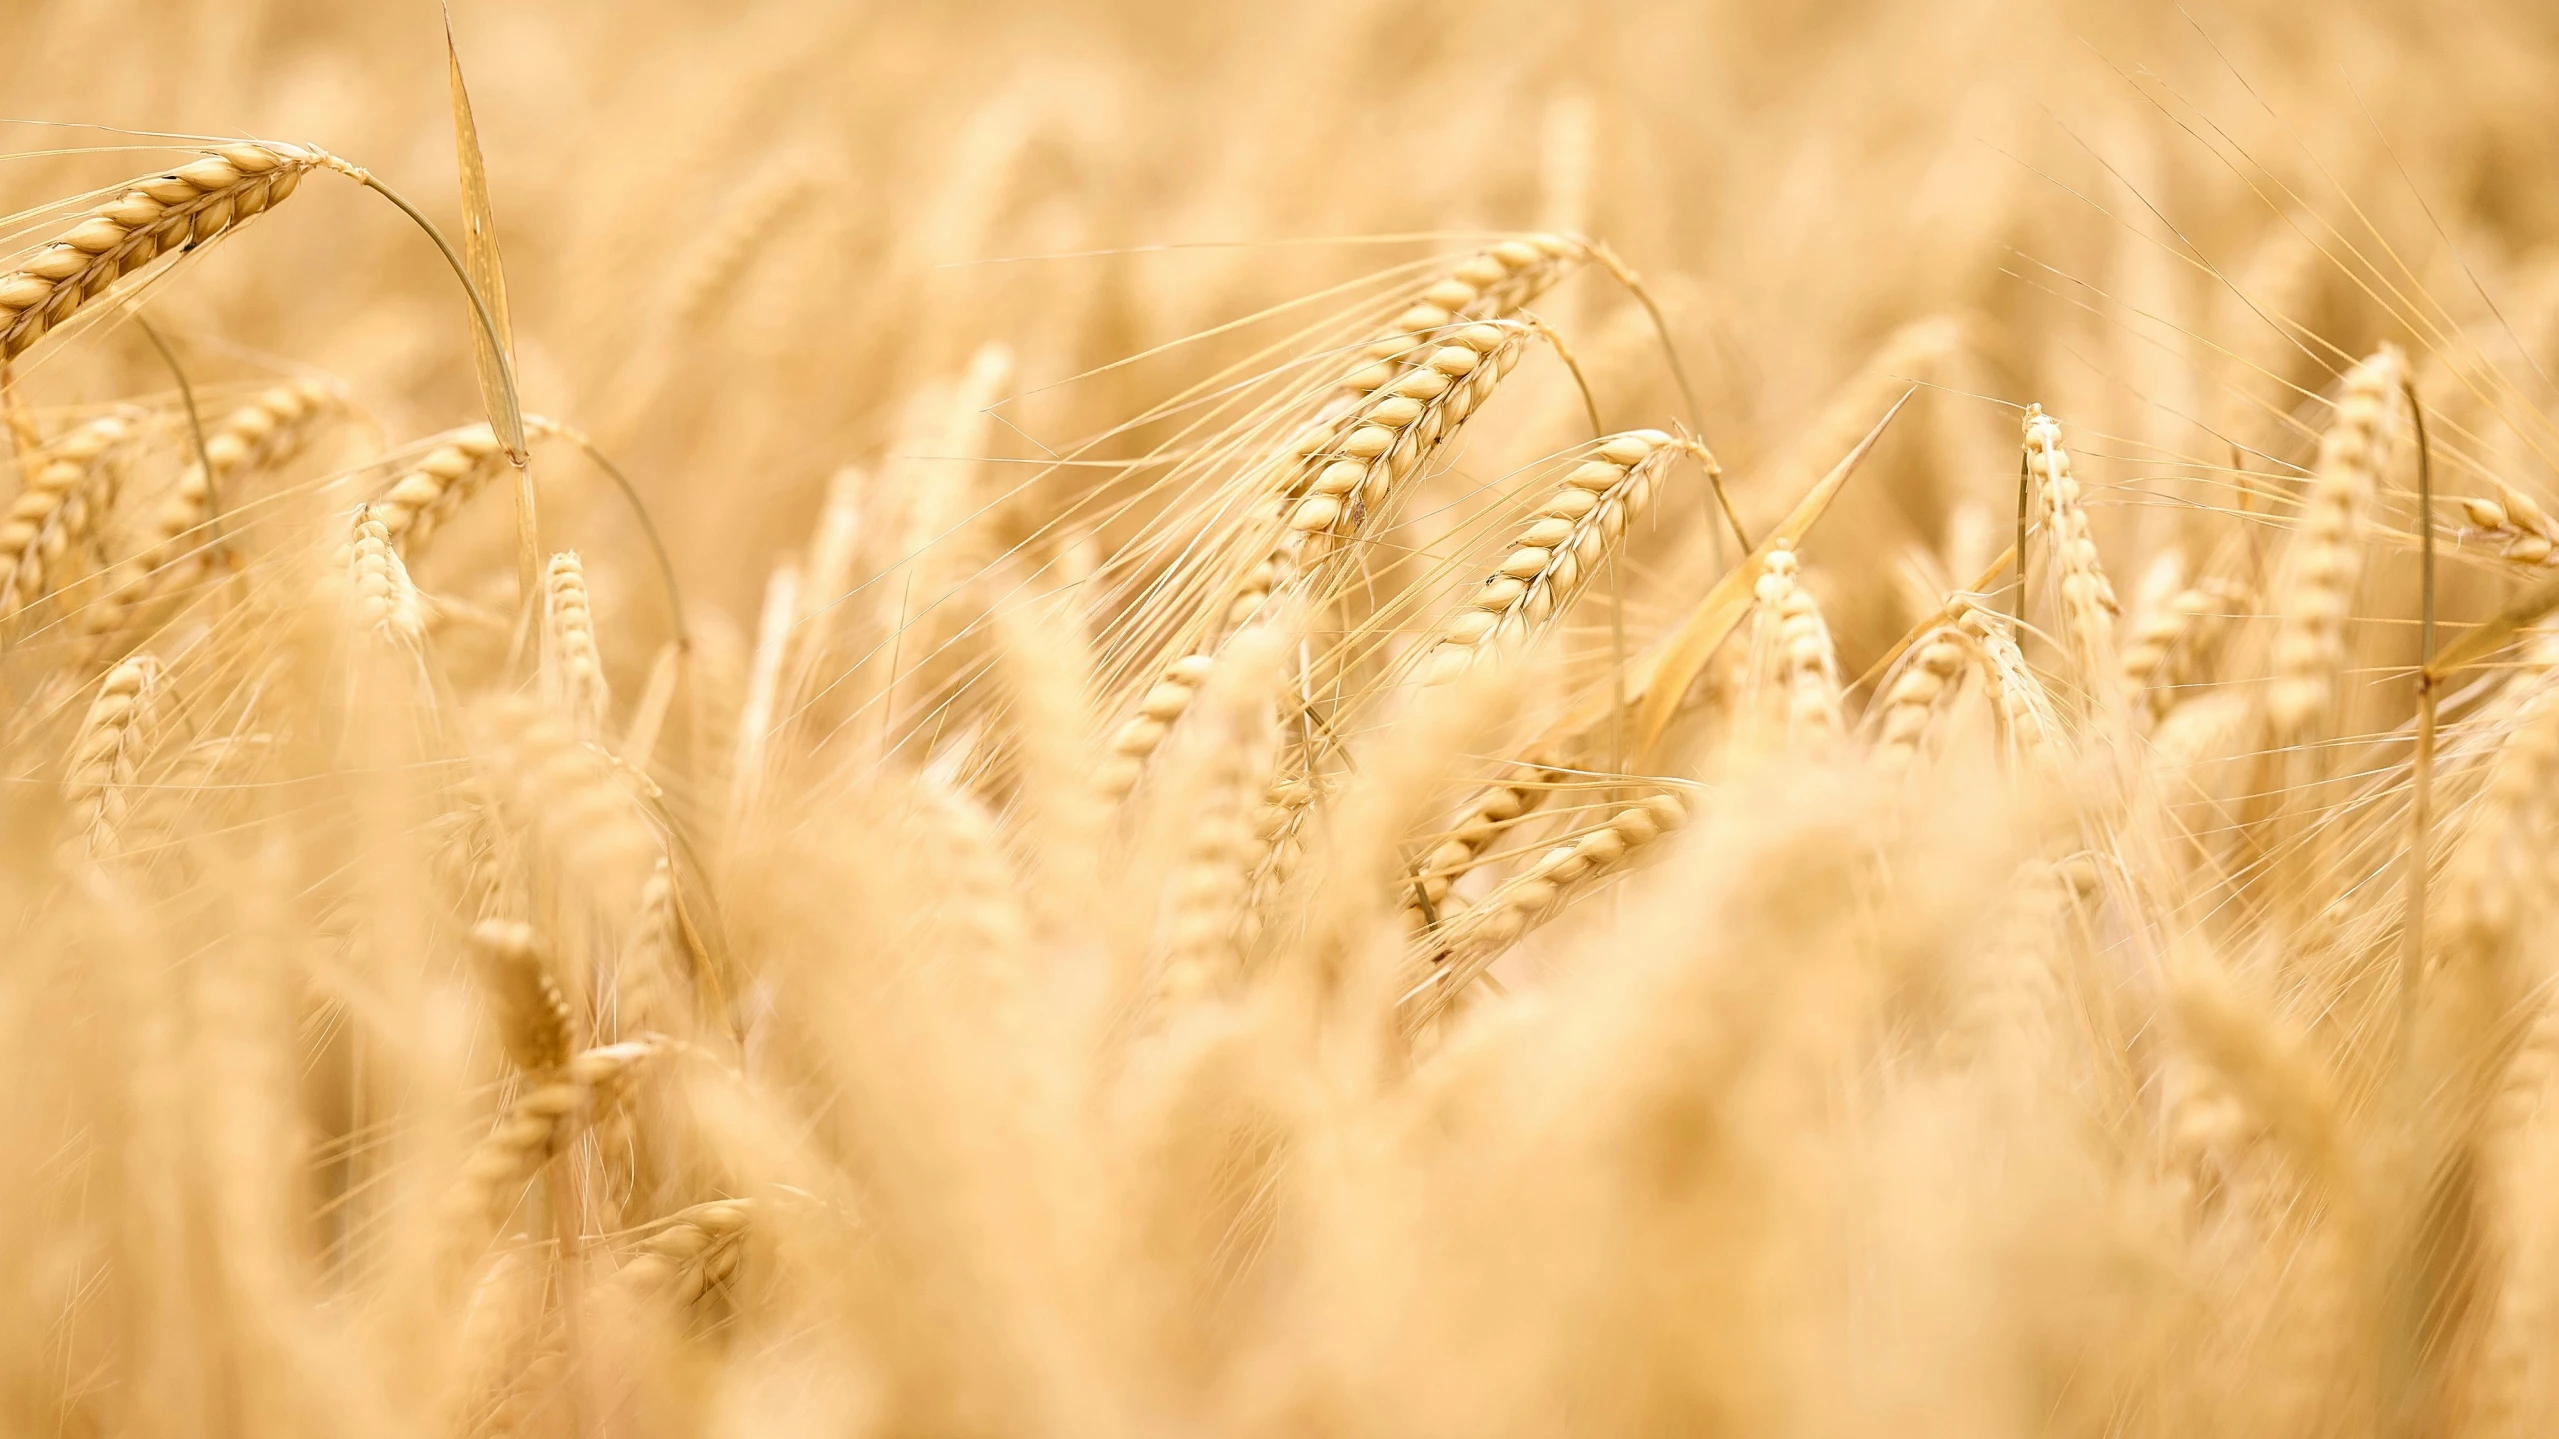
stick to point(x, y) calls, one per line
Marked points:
point(492, 352)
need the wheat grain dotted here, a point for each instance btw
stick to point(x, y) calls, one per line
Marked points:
point(2520, 528)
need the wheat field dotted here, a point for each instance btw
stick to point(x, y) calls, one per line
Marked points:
point(1333, 719)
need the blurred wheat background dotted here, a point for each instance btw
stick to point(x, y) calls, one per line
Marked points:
point(1318, 719)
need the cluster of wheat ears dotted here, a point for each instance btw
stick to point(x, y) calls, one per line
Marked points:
point(1317, 907)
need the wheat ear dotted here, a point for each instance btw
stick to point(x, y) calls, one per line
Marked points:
point(1795, 650)
point(2317, 590)
point(1322, 479)
point(1339, 472)
point(1206, 894)
point(108, 751)
point(180, 210)
point(380, 595)
point(536, 1126)
point(57, 510)
point(1491, 811)
point(1345, 468)
point(693, 1254)
point(1911, 698)
point(264, 431)
point(425, 496)
point(652, 987)
point(514, 965)
point(568, 620)
point(2160, 657)
point(1463, 948)
point(2019, 703)
point(2088, 606)
point(1550, 562)
point(570, 793)
point(1491, 285)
